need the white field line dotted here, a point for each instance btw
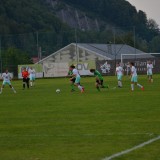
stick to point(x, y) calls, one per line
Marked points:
point(75, 135)
point(132, 149)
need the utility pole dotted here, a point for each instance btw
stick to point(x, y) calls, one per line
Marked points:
point(40, 53)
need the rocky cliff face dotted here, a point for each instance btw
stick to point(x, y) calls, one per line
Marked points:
point(74, 17)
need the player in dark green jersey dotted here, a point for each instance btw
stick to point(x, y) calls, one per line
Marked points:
point(99, 79)
point(72, 81)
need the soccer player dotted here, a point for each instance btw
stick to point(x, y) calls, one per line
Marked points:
point(25, 76)
point(99, 79)
point(128, 68)
point(7, 80)
point(119, 73)
point(32, 76)
point(149, 71)
point(134, 78)
point(78, 78)
point(72, 80)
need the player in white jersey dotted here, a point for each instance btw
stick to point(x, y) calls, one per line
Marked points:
point(134, 77)
point(149, 71)
point(6, 80)
point(32, 76)
point(78, 78)
point(119, 73)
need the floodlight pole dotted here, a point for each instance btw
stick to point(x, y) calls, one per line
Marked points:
point(76, 45)
point(1, 53)
point(37, 39)
point(134, 39)
point(115, 54)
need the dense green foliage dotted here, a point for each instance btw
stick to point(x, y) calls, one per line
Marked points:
point(26, 16)
point(38, 124)
point(121, 13)
point(12, 57)
point(22, 20)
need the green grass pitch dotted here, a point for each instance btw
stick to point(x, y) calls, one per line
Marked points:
point(39, 124)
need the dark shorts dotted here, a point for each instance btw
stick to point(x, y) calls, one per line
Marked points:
point(73, 80)
point(100, 82)
point(26, 80)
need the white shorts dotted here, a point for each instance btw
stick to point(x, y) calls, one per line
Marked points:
point(134, 79)
point(149, 73)
point(6, 82)
point(32, 78)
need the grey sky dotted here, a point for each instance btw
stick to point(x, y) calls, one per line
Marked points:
point(150, 7)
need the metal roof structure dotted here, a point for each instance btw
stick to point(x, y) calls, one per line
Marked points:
point(91, 51)
point(112, 50)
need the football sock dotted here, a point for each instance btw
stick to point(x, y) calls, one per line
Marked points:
point(119, 84)
point(140, 86)
point(132, 87)
point(98, 88)
point(80, 87)
point(13, 90)
point(72, 86)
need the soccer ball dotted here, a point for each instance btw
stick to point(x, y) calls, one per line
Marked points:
point(58, 90)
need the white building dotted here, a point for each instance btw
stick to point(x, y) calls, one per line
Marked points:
point(84, 56)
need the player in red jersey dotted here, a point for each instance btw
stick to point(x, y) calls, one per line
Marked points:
point(25, 76)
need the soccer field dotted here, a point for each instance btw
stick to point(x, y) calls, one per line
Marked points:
point(39, 124)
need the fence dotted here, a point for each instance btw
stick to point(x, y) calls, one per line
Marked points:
point(108, 67)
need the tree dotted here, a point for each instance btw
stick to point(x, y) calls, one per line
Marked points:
point(152, 24)
point(12, 57)
point(155, 45)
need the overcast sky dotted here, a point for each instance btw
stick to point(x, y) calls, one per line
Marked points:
point(150, 7)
